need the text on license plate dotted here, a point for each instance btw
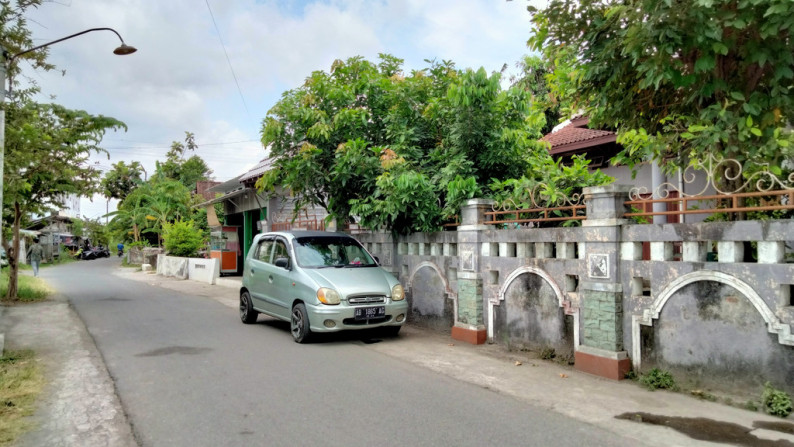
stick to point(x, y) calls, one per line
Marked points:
point(369, 313)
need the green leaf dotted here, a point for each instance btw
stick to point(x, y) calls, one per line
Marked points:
point(705, 63)
point(719, 48)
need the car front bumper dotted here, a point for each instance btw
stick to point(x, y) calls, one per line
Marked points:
point(324, 318)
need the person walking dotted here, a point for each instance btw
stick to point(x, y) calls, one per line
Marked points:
point(35, 253)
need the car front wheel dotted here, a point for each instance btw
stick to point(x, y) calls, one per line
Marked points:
point(299, 324)
point(247, 313)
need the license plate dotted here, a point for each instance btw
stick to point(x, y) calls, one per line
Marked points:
point(370, 313)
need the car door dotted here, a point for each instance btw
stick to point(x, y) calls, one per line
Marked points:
point(280, 278)
point(257, 271)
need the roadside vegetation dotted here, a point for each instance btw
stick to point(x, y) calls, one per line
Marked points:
point(29, 288)
point(377, 146)
point(771, 400)
point(21, 382)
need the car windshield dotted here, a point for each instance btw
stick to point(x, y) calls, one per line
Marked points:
point(331, 251)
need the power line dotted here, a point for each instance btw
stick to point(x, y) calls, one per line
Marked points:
point(197, 144)
point(227, 58)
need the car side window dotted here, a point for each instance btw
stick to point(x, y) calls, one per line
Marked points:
point(280, 250)
point(264, 250)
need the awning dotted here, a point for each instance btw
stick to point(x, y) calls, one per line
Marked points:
point(226, 196)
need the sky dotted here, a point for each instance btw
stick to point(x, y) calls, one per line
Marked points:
point(215, 67)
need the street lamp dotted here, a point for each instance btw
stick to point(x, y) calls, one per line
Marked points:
point(5, 61)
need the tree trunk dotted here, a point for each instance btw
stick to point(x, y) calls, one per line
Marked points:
point(13, 258)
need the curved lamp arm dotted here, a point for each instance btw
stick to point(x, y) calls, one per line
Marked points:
point(121, 50)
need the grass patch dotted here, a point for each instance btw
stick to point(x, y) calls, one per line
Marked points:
point(21, 381)
point(124, 263)
point(29, 288)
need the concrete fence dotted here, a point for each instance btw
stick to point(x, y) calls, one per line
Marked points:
point(196, 269)
point(708, 301)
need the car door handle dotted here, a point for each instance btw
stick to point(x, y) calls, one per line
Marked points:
point(270, 279)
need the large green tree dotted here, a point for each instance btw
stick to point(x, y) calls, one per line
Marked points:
point(681, 80)
point(47, 157)
point(400, 151)
point(188, 170)
point(15, 36)
point(144, 213)
point(122, 179)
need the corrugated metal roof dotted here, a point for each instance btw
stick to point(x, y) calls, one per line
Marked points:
point(228, 195)
point(257, 171)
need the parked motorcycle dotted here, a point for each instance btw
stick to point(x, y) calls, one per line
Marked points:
point(87, 255)
point(94, 253)
point(102, 252)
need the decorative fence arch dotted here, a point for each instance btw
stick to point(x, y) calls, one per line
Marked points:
point(774, 325)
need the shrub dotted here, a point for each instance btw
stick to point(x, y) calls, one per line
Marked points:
point(657, 379)
point(181, 238)
point(776, 402)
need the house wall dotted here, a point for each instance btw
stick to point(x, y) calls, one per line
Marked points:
point(586, 292)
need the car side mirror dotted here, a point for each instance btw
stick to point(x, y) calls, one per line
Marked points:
point(283, 263)
point(377, 261)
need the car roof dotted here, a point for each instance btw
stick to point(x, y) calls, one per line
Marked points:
point(301, 233)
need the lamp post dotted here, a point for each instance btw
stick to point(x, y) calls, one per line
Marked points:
point(5, 61)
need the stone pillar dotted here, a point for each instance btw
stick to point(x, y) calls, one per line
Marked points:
point(469, 319)
point(601, 351)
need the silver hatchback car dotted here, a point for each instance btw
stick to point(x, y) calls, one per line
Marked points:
point(319, 282)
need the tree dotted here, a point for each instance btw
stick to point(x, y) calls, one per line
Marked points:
point(122, 179)
point(96, 232)
point(47, 151)
point(681, 80)
point(187, 171)
point(148, 208)
point(550, 86)
point(396, 151)
point(16, 37)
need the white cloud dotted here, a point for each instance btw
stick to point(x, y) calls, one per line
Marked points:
point(180, 80)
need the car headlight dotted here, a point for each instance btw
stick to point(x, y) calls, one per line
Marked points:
point(397, 293)
point(328, 296)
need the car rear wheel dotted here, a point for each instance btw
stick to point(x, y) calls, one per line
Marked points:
point(299, 324)
point(247, 313)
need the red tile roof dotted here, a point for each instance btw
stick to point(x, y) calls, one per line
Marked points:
point(570, 138)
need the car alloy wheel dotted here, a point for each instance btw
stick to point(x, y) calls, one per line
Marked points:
point(299, 324)
point(247, 313)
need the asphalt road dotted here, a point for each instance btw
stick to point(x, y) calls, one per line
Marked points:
point(189, 373)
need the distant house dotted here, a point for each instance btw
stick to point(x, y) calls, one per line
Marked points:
point(203, 189)
point(250, 212)
point(54, 232)
point(573, 137)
